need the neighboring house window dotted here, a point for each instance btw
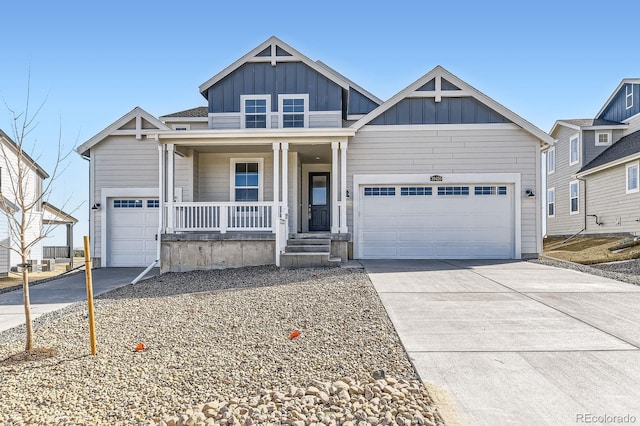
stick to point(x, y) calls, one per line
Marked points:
point(181, 126)
point(551, 202)
point(632, 178)
point(246, 178)
point(255, 111)
point(294, 110)
point(551, 161)
point(574, 150)
point(603, 138)
point(574, 197)
point(629, 96)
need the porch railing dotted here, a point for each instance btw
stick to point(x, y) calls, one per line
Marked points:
point(56, 252)
point(223, 217)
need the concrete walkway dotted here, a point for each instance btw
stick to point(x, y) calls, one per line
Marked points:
point(62, 292)
point(517, 343)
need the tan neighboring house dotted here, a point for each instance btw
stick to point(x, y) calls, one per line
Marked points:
point(593, 169)
point(39, 218)
point(291, 163)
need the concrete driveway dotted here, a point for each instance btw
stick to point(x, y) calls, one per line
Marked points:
point(517, 343)
point(62, 292)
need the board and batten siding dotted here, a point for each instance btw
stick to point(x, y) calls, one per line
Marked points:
point(389, 150)
point(617, 109)
point(564, 223)
point(607, 198)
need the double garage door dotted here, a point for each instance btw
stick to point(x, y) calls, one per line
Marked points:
point(133, 225)
point(461, 221)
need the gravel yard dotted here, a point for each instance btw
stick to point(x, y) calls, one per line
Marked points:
point(220, 338)
point(627, 271)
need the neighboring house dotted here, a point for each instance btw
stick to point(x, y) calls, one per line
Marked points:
point(592, 171)
point(33, 178)
point(289, 158)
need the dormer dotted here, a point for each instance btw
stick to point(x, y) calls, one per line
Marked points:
point(624, 103)
point(275, 86)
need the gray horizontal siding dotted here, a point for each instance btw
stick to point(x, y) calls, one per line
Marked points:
point(215, 171)
point(225, 121)
point(263, 78)
point(333, 119)
point(617, 110)
point(607, 198)
point(464, 110)
point(425, 152)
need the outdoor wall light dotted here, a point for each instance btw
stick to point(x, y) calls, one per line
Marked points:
point(530, 193)
point(96, 206)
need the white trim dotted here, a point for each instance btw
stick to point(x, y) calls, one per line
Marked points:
point(266, 136)
point(577, 182)
point(243, 114)
point(615, 92)
point(273, 42)
point(609, 137)
point(633, 117)
point(354, 117)
point(133, 114)
point(628, 94)
point(183, 119)
point(439, 71)
point(304, 97)
point(549, 191)
point(609, 165)
point(186, 127)
point(564, 124)
point(462, 178)
point(232, 175)
point(551, 170)
point(119, 193)
point(637, 188)
point(575, 137)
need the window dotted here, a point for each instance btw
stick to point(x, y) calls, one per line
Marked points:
point(603, 138)
point(294, 111)
point(490, 190)
point(415, 190)
point(551, 202)
point(181, 126)
point(453, 190)
point(246, 178)
point(127, 204)
point(379, 191)
point(574, 150)
point(151, 204)
point(551, 161)
point(632, 178)
point(574, 197)
point(629, 96)
point(255, 110)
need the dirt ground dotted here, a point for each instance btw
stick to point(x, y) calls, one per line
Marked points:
point(589, 250)
point(15, 278)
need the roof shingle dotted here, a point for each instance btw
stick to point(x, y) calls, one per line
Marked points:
point(626, 146)
point(196, 112)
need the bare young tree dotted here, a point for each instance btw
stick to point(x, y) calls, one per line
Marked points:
point(23, 189)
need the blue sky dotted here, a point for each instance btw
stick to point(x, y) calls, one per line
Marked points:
point(94, 61)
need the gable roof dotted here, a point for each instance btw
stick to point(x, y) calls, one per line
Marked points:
point(14, 147)
point(586, 124)
point(275, 44)
point(626, 149)
point(135, 113)
point(615, 92)
point(440, 72)
point(55, 216)
point(197, 112)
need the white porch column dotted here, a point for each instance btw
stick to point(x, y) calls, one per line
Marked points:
point(334, 188)
point(285, 180)
point(343, 187)
point(276, 186)
point(161, 193)
point(171, 160)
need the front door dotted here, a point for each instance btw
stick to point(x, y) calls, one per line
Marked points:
point(319, 208)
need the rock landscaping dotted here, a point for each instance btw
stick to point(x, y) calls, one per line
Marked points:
point(219, 349)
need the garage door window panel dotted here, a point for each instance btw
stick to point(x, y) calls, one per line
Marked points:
point(379, 191)
point(490, 190)
point(127, 204)
point(407, 191)
point(453, 190)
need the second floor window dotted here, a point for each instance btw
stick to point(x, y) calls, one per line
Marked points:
point(255, 111)
point(629, 96)
point(294, 110)
point(551, 160)
point(574, 150)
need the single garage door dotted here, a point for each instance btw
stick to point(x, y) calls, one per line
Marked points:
point(133, 225)
point(437, 221)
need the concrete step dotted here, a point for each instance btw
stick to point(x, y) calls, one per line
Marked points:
point(311, 235)
point(309, 242)
point(315, 248)
point(308, 260)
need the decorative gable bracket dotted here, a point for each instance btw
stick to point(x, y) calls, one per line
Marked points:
point(436, 89)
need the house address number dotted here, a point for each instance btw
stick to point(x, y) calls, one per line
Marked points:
point(435, 178)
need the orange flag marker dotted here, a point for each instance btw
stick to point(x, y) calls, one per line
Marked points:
point(294, 334)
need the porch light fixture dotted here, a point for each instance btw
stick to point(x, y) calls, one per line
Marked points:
point(317, 158)
point(530, 193)
point(96, 206)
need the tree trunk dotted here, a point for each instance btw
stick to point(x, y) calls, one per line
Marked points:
point(27, 304)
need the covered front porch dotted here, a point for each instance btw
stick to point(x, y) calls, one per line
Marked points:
point(228, 199)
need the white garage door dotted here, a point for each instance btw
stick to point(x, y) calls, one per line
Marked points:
point(437, 221)
point(133, 225)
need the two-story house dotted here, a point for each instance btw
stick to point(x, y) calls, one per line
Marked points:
point(292, 163)
point(592, 171)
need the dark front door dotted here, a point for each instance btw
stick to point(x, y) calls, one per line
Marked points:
point(319, 208)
